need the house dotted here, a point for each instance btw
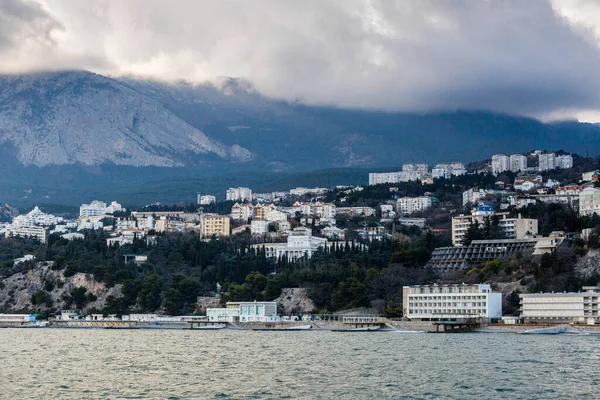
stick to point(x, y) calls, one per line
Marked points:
point(242, 212)
point(333, 233)
point(259, 227)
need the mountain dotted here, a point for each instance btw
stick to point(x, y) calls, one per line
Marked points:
point(80, 131)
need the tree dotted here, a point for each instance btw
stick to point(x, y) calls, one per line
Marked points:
point(149, 296)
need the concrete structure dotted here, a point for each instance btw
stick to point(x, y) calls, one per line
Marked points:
point(418, 222)
point(473, 196)
point(500, 163)
point(214, 225)
point(34, 232)
point(353, 211)
point(256, 311)
point(517, 163)
point(259, 227)
point(512, 228)
point(565, 161)
point(205, 200)
point(377, 178)
point(451, 303)
point(114, 207)
point(546, 162)
point(35, 217)
point(333, 233)
point(94, 209)
point(17, 318)
point(298, 245)
point(581, 307)
point(589, 201)
point(409, 205)
point(241, 194)
point(242, 212)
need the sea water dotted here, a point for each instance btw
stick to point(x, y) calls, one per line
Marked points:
point(158, 364)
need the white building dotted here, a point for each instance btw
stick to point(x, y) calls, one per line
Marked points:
point(581, 307)
point(546, 162)
point(94, 209)
point(114, 207)
point(451, 302)
point(589, 201)
point(239, 194)
point(206, 199)
point(256, 311)
point(298, 245)
point(301, 191)
point(414, 167)
point(376, 178)
point(333, 233)
point(500, 163)
point(473, 196)
point(565, 161)
point(34, 232)
point(512, 228)
point(437, 173)
point(409, 205)
point(259, 227)
point(518, 162)
point(242, 212)
point(35, 217)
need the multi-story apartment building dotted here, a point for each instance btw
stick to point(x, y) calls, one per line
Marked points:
point(581, 307)
point(512, 228)
point(376, 178)
point(35, 217)
point(36, 232)
point(546, 161)
point(451, 303)
point(473, 196)
point(409, 205)
point(259, 226)
point(94, 209)
point(214, 225)
point(239, 194)
point(500, 163)
point(564, 161)
point(437, 173)
point(242, 212)
point(518, 162)
point(205, 200)
point(589, 201)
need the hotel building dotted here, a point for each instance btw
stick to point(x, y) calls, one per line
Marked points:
point(581, 307)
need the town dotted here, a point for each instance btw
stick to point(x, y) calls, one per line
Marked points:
point(479, 240)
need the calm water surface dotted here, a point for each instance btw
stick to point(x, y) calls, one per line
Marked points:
point(82, 364)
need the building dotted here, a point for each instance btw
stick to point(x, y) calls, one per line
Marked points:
point(592, 176)
point(242, 212)
point(205, 200)
point(451, 303)
point(518, 162)
point(256, 311)
point(301, 191)
point(34, 232)
point(473, 196)
point(376, 178)
point(445, 259)
point(546, 162)
point(299, 244)
point(239, 194)
point(333, 233)
point(114, 207)
point(418, 222)
point(214, 225)
point(414, 167)
point(259, 227)
point(564, 161)
point(356, 211)
point(500, 163)
point(94, 209)
point(589, 201)
point(512, 228)
point(35, 217)
point(409, 205)
point(581, 307)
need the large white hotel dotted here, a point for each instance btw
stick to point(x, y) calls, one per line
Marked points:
point(581, 307)
point(451, 302)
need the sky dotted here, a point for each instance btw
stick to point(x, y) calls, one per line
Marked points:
point(531, 57)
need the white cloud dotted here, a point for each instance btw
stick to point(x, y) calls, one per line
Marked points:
point(530, 57)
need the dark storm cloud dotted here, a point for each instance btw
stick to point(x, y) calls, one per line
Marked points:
point(420, 55)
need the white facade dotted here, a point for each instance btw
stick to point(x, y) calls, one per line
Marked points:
point(206, 200)
point(500, 163)
point(333, 233)
point(589, 201)
point(255, 311)
point(565, 161)
point(239, 194)
point(376, 178)
point(472, 196)
point(513, 228)
point(409, 205)
point(259, 227)
point(35, 217)
point(518, 162)
point(242, 212)
point(451, 302)
point(114, 207)
point(414, 167)
point(94, 209)
point(546, 162)
point(437, 173)
point(581, 307)
point(298, 245)
point(35, 232)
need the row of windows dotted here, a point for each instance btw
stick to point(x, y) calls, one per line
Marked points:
point(448, 311)
point(449, 298)
point(445, 304)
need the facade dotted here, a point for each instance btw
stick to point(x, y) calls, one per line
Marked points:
point(589, 201)
point(377, 178)
point(35, 217)
point(352, 211)
point(242, 212)
point(333, 233)
point(581, 307)
point(518, 162)
point(298, 245)
point(94, 209)
point(206, 199)
point(214, 225)
point(418, 222)
point(546, 162)
point(35, 232)
point(259, 226)
point(513, 228)
point(114, 207)
point(239, 194)
point(500, 163)
point(565, 161)
point(256, 311)
point(473, 196)
point(451, 303)
point(409, 205)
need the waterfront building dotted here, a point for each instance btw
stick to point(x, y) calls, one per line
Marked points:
point(580, 307)
point(546, 162)
point(458, 302)
point(242, 194)
point(512, 228)
point(256, 311)
point(500, 163)
point(214, 225)
point(301, 191)
point(17, 318)
point(589, 201)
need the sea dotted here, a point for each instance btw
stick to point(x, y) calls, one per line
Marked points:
point(227, 364)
